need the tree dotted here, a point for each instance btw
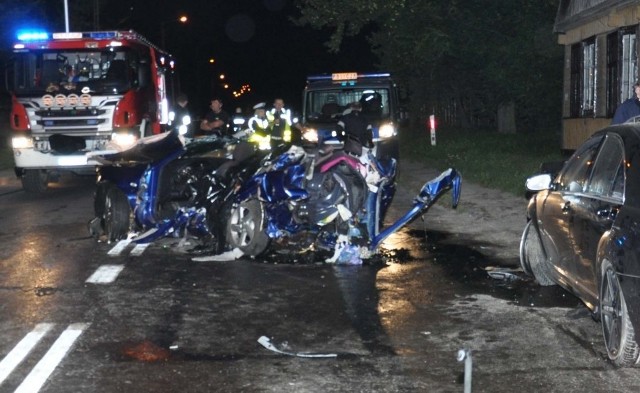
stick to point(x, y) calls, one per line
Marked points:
point(462, 61)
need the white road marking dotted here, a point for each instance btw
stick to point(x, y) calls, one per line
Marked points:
point(22, 349)
point(41, 372)
point(139, 249)
point(105, 274)
point(119, 247)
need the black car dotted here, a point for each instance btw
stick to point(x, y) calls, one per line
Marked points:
point(583, 233)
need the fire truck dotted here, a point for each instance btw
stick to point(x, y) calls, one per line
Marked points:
point(326, 98)
point(77, 92)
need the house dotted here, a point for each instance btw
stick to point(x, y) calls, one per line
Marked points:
point(601, 62)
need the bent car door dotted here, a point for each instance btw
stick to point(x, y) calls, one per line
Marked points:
point(596, 212)
point(556, 216)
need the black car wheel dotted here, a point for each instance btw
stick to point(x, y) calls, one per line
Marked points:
point(532, 257)
point(245, 229)
point(115, 214)
point(619, 336)
point(35, 181)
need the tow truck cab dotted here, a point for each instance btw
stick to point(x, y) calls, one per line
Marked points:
point(326, 97)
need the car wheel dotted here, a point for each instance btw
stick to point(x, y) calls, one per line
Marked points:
point(532, 257)
point(217, 219)
point(35, 180)
point(619, 337)
point(245, 228)
point(115, 214)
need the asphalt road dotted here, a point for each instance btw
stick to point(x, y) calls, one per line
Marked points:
point(77, 319)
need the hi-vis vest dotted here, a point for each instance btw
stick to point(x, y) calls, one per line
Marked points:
point(285, 115)
point(258, 125)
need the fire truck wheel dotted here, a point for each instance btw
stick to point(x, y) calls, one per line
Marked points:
point(115, 214)
point(35, 180)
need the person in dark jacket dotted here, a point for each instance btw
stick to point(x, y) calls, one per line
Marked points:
point(355, 124)
point(629, 108)
point(182, 119)
point(216, 121)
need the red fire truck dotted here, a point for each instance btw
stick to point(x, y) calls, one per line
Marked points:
point(74, 93)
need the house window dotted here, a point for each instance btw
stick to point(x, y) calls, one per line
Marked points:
point(629, 63)
point(622, 67)
point(588, 77)
point(613, 72)
point(575, 92)
point(583, 78)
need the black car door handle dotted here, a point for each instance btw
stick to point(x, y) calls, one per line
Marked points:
point(566, 207)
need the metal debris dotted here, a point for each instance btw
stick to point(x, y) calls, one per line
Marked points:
point(265, 342)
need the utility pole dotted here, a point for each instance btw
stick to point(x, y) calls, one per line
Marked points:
point(66, 16)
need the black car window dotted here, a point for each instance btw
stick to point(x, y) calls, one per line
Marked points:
point(608, 172)
point(575, 174)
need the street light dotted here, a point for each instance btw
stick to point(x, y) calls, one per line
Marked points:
point(181, 19)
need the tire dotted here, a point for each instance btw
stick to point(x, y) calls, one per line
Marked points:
point(35, 181)
point(619, 336)
point(99, 198)
point(244, 228)
point(532, 257)
point(116, 214)
point(217, 219)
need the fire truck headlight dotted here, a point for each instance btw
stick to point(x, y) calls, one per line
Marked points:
point(386, 131)
point(182, 130)
point(21, 142)
point(311, 135)
point(186, 120)
point(123, 140)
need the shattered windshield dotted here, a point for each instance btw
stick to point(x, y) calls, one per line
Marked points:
point(329, 105)
point(98, 71)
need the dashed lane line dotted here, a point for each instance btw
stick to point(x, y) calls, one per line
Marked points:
point(119, 248)
point(105, 274)
point(139, 249)
point(22, 349)
point(41, 372)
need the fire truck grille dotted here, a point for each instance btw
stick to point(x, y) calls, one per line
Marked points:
point(87, 112)
point(70, 123)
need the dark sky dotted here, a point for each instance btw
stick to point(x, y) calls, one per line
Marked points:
point(253, 42)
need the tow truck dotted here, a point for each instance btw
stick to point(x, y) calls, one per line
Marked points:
point(327, 96)
point(77, 92)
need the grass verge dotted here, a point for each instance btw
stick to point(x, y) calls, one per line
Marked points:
point(494, 160)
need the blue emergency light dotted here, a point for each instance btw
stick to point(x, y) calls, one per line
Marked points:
point(32, 35)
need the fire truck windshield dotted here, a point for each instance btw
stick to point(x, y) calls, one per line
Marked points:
point(89, 71)
point(328, 105)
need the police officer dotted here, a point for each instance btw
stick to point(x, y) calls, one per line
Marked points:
point(259, 122)
point(282, 124)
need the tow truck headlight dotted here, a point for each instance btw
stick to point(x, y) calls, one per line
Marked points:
point(21, 142)
point(123, 140)
point(386, 131)
point(310, 134)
